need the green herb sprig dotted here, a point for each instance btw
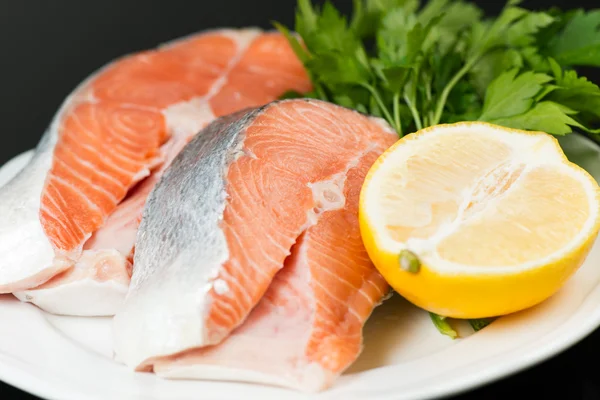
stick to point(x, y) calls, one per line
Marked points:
point(420, 65)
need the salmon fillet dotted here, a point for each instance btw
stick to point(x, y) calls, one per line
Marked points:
point(108, 146)
point(311, 316)
point(253, 190)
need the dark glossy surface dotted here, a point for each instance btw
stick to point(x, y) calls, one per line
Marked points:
point(48, 47)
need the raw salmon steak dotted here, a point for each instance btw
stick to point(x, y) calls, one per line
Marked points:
point(257, 190)
point(68, 221)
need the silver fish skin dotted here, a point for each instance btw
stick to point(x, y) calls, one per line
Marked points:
point(180, 247)
point(26, 253)
point(27, 258)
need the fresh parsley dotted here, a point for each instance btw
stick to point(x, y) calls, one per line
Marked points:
point(579, 42)
point(443, 61)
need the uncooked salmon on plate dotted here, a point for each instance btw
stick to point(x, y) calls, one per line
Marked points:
point(249, 230)
point(68, 221)
point(259, 208)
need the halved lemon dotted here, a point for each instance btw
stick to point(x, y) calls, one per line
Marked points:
point(473, 220)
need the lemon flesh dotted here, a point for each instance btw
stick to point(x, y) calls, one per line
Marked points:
point(498, 218)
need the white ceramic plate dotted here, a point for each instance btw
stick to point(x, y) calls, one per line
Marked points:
point(404, 357)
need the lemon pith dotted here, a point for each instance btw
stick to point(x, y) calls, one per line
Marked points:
point(499, 221)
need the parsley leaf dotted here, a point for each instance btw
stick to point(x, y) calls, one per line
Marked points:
point(522, 33)
point(511, 95)
point(497, 32)
point(294, 42)
point(366, 15)
point(306, 18)
point(326, 32)
point(479, 324)
point(517, 50)
point(493, 65)
point(457, 19)
point(546, 116)
point(579, 42)
point(516, 101)
point(574, 91)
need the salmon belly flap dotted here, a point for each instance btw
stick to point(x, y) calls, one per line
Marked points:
point(77, 206)
point(262, 245)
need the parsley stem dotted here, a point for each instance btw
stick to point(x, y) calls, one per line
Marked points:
point(379, 102)
point(320, 91)
point(428, 89)
point(397, 121)
point(446, 92)
point(428, 118)
point(442, 324)
point(414, 112)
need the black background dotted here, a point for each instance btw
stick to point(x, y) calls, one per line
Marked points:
point(48, 46)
